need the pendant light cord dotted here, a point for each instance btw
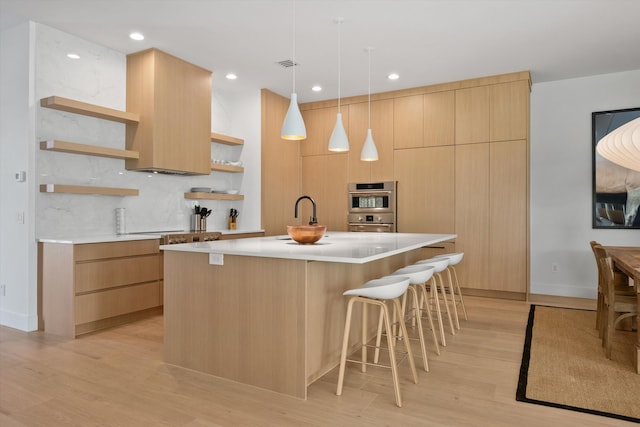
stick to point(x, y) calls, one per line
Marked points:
point(369, 50)
point(339, 65)
point(293, 56)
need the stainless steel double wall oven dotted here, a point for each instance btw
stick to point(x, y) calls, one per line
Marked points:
point(372, 206)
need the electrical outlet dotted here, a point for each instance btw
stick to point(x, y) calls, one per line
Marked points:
point(554, 267)
point(3, 290)
point(20, 217)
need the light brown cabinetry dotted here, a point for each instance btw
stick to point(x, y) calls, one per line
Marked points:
point(472, 115)
point(425, 189)
point(459, 152)
point(173, 98)
point(424, 120)
point(329, 192)
point(86, 287)
point(472, 214)
point(491, 216)
point(508, 213)
point(281, 177)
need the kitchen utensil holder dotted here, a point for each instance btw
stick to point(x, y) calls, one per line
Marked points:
point(196, 222)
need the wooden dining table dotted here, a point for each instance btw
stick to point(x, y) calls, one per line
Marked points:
point(626, 260)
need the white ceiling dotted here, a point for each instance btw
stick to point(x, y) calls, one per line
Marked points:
point(426, 42)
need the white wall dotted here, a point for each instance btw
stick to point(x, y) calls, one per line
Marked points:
point(561, 158)
point(34, 65)
point(17, 249)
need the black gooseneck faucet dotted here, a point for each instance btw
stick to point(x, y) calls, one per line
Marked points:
point(314, 219)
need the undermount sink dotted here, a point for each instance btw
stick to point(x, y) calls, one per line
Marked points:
point(306, 234)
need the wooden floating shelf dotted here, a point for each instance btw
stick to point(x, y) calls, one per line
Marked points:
point(226, 140)
point(91, 110)
point(91, 150)
point(213, 196)
point(82, 189)
point(226, 168)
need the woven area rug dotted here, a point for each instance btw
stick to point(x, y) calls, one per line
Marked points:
point(564, 365)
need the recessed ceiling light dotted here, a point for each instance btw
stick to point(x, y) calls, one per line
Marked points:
point(231, 76)
point(73, 56)
point(316, 88)
point(393, 76)
point(136, 36)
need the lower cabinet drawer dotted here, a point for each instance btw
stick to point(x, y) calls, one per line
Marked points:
point(103, 274)
point(114, 302)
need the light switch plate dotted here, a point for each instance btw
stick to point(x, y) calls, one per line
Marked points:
point(21, 176)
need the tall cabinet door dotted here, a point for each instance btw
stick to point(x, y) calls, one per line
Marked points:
point(324, 179)
point(425, 189)
point(280, 164)
point(472, 214)
point(508, 216)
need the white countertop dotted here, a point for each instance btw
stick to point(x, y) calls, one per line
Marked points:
point(78, 240)
point(335, 246)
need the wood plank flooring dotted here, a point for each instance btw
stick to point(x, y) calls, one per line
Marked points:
point(117, 378)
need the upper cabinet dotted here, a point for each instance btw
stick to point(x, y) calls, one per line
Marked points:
point(509, 114)
point(424, 120)
point(472, 115)
point(173, 99)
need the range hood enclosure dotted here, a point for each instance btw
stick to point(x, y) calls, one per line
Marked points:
point(173, 99)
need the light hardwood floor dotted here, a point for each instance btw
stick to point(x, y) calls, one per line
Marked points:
point(117, 378)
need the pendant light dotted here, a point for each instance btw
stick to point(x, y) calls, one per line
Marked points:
point(622, 145)
point(339, 141)
point(293, 127)
point(369, 152)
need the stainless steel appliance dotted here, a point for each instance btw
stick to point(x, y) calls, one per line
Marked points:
point(372, 206)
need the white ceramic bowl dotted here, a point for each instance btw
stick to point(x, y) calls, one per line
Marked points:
point(232, 191)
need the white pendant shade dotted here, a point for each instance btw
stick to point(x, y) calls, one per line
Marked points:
point(622, 145)
point(339, 141)
point(369, 151)
point(293, 127)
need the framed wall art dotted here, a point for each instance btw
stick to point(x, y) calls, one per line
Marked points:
point(616, 189)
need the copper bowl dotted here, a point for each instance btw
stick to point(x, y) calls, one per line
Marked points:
point(306, 234)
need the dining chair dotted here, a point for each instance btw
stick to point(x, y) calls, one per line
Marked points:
point(616, 307)
point(620, 286)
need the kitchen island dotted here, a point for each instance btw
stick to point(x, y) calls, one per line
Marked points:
point(267, 311)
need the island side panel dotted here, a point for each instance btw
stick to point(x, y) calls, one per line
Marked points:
point(244, 320)
point(327, 307)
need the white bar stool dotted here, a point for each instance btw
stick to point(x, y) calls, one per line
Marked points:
point(454, 259)
point(377, 292)
point(418, 275)
point(436, 281)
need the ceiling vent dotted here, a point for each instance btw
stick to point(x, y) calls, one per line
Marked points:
point(287, 63)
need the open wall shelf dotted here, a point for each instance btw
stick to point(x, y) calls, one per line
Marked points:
point(91, 110)
point(91, 150)
point(226, 140)
point(82, 189)
point(213, 196)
